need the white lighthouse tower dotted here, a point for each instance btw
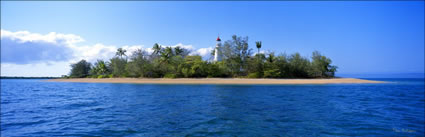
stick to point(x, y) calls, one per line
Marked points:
point(217, 51)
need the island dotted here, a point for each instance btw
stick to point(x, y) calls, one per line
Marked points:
point(221, 81)
point(232, 62)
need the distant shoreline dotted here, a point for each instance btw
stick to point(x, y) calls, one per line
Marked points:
point(238, 81)
point(22, 77)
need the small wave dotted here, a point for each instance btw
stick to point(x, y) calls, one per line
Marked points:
point(81, 104)
point(28, 123)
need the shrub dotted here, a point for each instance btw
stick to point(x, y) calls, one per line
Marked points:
point(253, 75)
point(101, 76)
point(274, 73)
point(111, 75)
point(170, 75)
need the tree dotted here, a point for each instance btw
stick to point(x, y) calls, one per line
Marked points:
point(216, 69)
point(138, 64)
point(194, 66)
point(100, 68)
point(237, 61)
point(281, 62)
point(299, 66)
point(256, 66)
point(178, 51)
point(156, 49)
point(118, 66)
point(331, 71)
point(258, 44)
point(320, 66)
point(236, 52)
point(271, 68)
point(271, 58)
point(166, 55)
point(80, 69)
point(120, 52)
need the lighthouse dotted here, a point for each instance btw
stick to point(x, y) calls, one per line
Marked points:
point(217, 51)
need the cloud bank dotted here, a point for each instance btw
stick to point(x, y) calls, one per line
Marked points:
point(23, 47)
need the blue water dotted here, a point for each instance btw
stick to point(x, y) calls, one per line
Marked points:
point(38, 108)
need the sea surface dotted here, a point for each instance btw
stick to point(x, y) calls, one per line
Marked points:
point(39, 108)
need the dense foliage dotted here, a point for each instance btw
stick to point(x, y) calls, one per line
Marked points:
point(237, 61)
point(80, 69)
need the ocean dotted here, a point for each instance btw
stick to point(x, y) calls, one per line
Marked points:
point(38, 108)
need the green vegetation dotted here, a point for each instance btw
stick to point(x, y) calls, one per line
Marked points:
point(80, 69)
point(237, 61)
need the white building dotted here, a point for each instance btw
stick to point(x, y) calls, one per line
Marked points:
point(217, 51)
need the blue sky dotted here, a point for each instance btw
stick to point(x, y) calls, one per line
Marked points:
point(361, 37)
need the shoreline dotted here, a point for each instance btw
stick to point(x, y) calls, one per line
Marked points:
point(218, 81)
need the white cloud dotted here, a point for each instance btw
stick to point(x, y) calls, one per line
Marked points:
point(23, 47)
point(100, 52)
point(131, 49)
point(202, 52)
point(52, 37)
point(189, 47)
point(149, 50)
point(93, 52)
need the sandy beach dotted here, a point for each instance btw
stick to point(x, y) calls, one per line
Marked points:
point(217, 81)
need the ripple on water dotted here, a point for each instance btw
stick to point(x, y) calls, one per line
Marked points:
point(34, 108)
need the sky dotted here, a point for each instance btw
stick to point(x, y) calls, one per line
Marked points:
point(363, 38)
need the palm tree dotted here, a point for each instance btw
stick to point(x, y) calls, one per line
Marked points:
point(121, 52)
point(156, 48)
point(258, 43)
point(169, 51)
point(178, 50)
point(100, 67)
point(166, 55)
